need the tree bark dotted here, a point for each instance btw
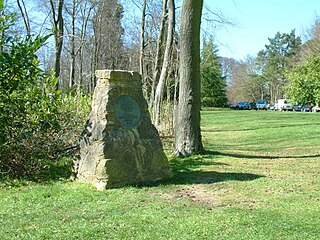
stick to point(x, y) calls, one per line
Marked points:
point(156, 70)
point(166, 60)
point(83, 34)
point(142, 48)
point(188, 133)
point(25, 17)
point(142, 40)
point(72, 46)
point(58, 35)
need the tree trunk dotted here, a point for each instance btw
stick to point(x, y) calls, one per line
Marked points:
point(85, 16)
point(142, 40)
point(156, 70)
point(25, 17)
point(175, 96)
point(95, 57)
point(188, 133)
point(72, 46)
point(142, 47)
point(2, 15)
point(166, 60)
point(58, 35)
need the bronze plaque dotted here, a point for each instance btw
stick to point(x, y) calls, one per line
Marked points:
point(128, 111)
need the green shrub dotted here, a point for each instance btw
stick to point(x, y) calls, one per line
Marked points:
point(37, 122)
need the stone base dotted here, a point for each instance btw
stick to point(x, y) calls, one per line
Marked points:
point(115, 150)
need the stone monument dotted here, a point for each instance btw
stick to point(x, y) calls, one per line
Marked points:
point(119, 145)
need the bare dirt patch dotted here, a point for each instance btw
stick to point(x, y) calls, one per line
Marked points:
point(200, 194)
point(197, 193)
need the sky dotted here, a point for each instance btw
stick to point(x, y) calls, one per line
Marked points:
point(258, 20)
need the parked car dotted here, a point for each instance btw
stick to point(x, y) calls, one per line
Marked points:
point(261, 104)
point(275, 106)
point(271, 107)
point(297, 108)
point(243, 105)
point(284, 105)
point(316, 109)
point(252, 106)
point(234, 106)
point(306, 108)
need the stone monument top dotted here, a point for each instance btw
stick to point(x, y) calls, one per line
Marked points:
point(119, 145)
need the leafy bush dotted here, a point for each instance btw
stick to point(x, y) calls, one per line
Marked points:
point(37, 122)
point(304, 80)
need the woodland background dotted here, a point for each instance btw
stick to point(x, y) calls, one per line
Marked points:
point(51, 49)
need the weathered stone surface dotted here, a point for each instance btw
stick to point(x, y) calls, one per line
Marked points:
point(120, 146)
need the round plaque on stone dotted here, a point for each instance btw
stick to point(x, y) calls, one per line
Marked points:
point(128, 111)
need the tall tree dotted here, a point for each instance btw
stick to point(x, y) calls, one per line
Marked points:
point(213, 84)
point(109, 32)
point(228, 65)
point(165, 65)
point(247, 84)
point(312, 45)
point(107, 41)
point(188, 134)
point(276, 59)
point(78, 34)
point(142, 39)
point(158, 54)
point(84, 46)
point(72, 43)
point(58, 28)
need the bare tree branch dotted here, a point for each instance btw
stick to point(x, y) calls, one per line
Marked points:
point(24, 15)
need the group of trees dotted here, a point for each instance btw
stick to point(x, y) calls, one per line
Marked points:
point(36, 120)
point(90, 35)
point(49, 57)
point(286, 68)
point(264, 77)
point(87, 35)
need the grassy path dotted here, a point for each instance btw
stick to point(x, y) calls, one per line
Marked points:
point(260, 179)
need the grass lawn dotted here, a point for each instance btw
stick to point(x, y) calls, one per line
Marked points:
point(259, 179)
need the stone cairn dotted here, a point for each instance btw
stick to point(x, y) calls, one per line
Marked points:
point(119, 145)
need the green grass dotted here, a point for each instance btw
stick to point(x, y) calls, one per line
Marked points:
point(259, 179)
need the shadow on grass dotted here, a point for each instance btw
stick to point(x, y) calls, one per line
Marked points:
point(188, 171)
point(44, 174)
point(251, 128)
point(185, 171)
point(208, 177)
point(236, 155)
